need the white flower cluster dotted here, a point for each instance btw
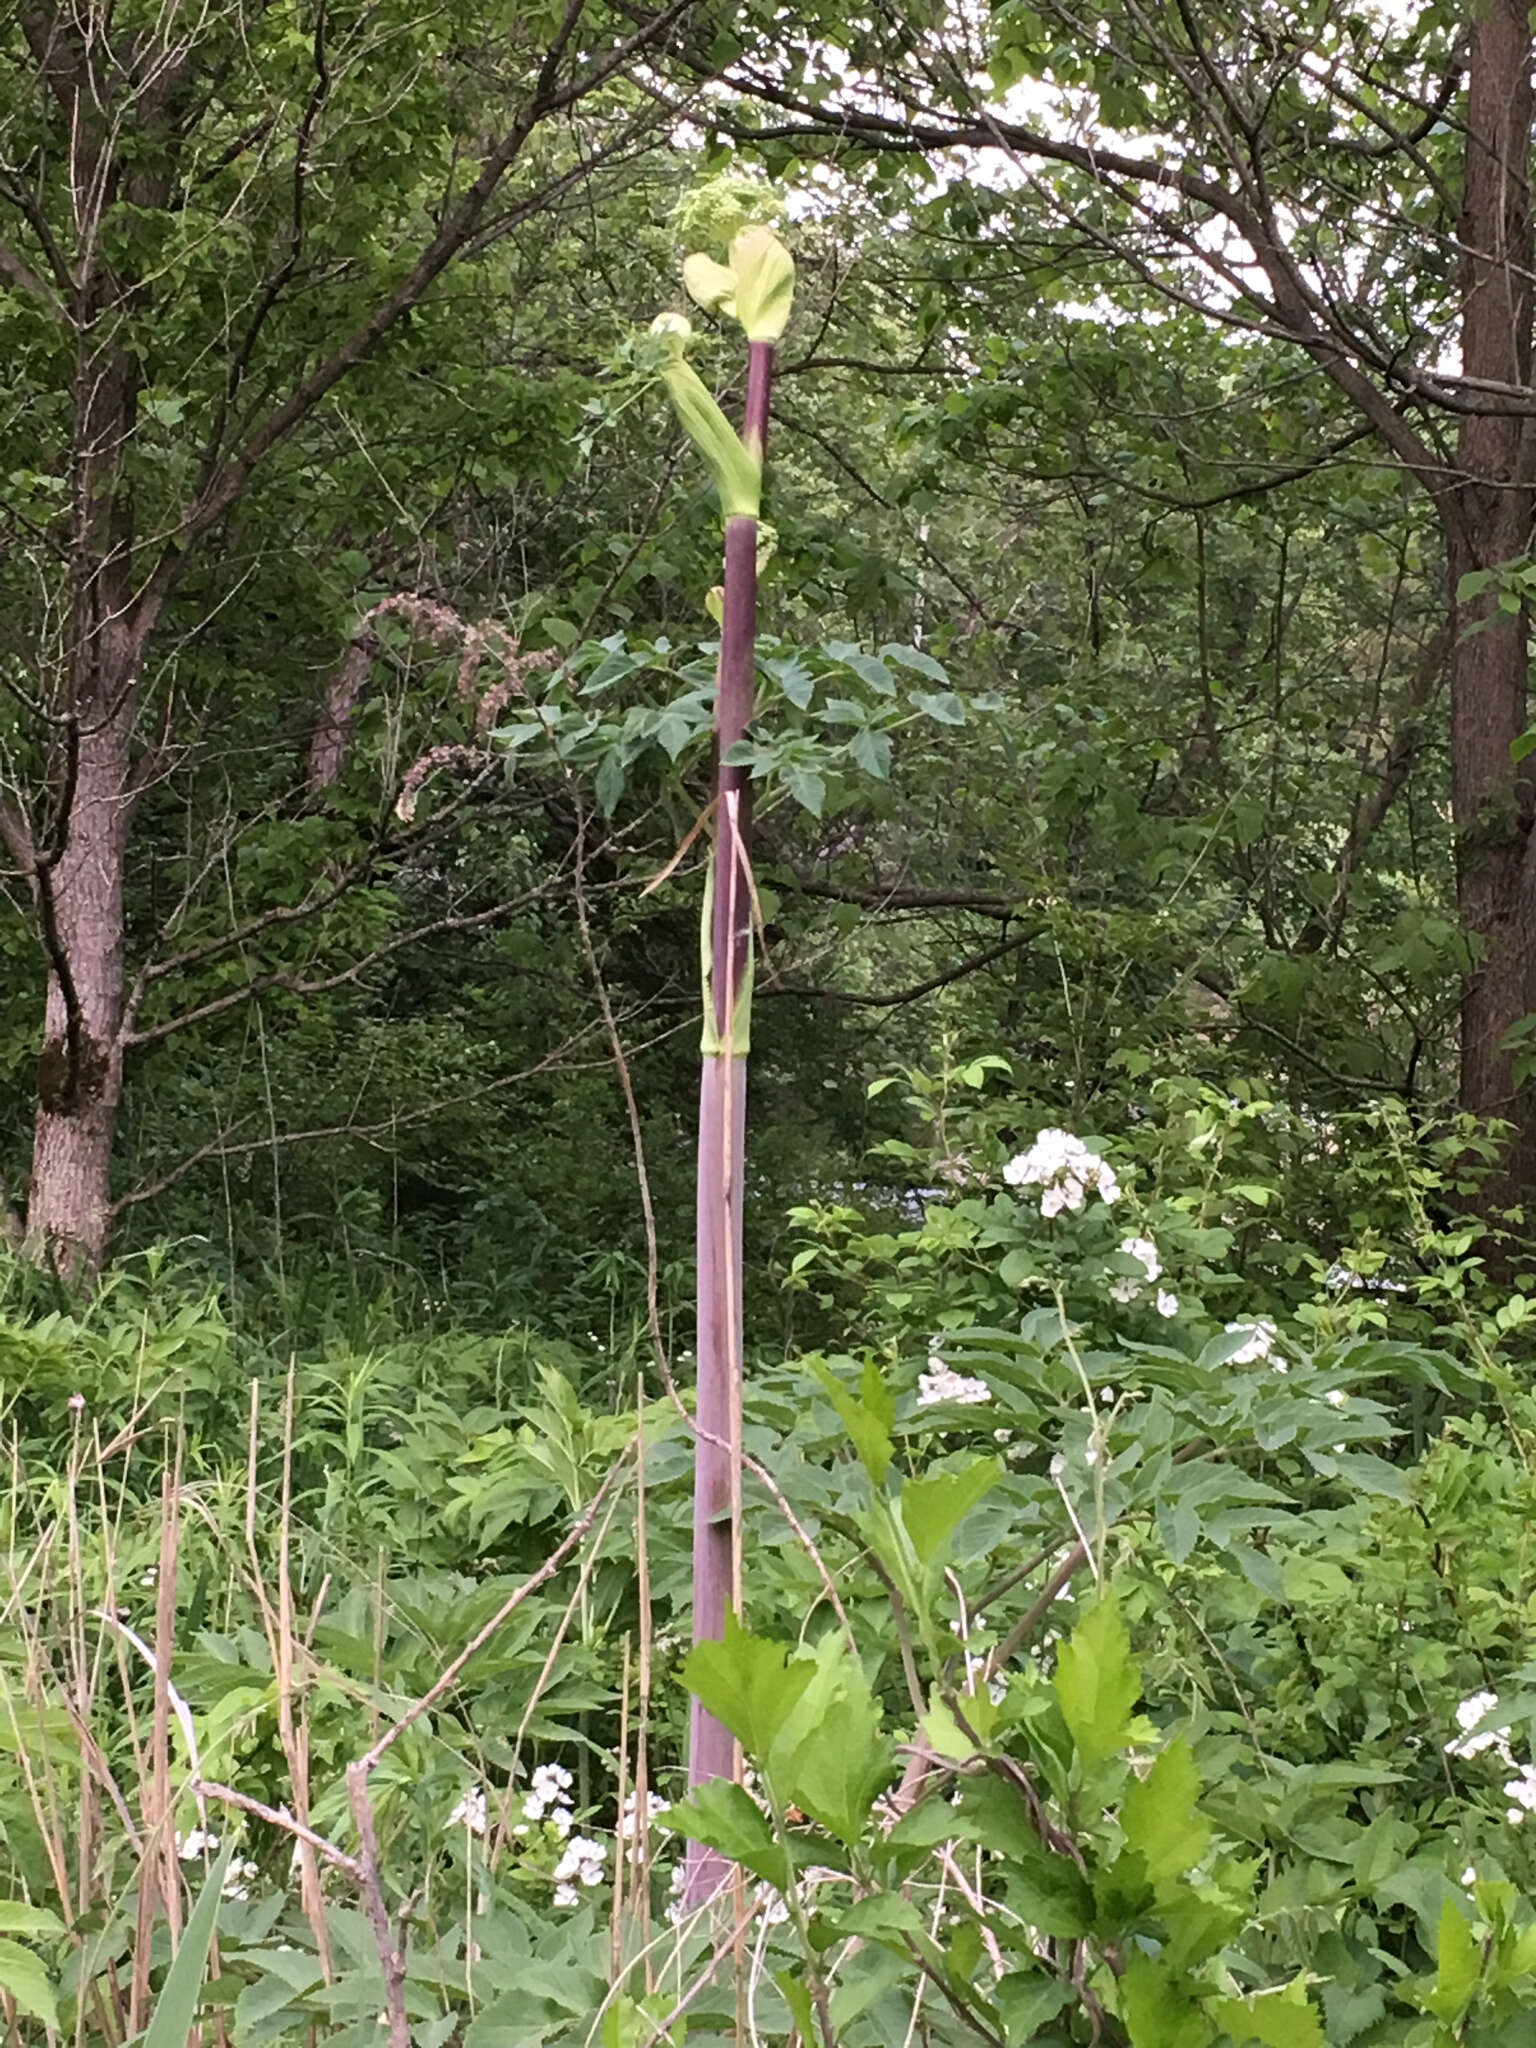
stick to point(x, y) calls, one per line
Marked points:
point(1520, 1790)
point(940, 1383)
point(581, 1863)
point(1127, 1286)
point(1261, 1334)
point(239, 1878)
point(1064, 1169)
point(654, 1808)
point(196, 1842)
point(548, 1797)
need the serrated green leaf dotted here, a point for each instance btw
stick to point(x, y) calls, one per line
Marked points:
point(1277, 2019)
point(748, 1683)
point(872, 751)
point(1159, 1816)
point(1157, 2009)
point(933, 1508)
point(726, 1817)
point(1097, 1682)
point(869, 1435)
point(942, 706)
point(23, 1975)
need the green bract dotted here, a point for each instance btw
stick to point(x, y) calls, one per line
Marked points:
point(757, 286)
point(737, 472)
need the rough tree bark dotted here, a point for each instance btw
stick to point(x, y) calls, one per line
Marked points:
point(1487, 521)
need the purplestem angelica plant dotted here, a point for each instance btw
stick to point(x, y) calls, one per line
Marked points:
point(755, 288)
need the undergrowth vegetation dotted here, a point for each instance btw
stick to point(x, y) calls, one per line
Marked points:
point(1136, 1648)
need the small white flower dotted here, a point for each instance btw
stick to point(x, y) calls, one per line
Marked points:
point(1522, 1792)
point(197, 1842)
point(581, 1862)
point(1336, 1398)
point(77, 1404)
point(771, 1902)
point(1167, 1304)
point(1107, 1396)
point(1058, 1465)
point(997, 1685)
point(1090, 1454)
point(654, 1808)
point(1469, 1875)
point(565, 1895)
point(940, 1384)
point(470, 1811)
point(1144, 1251)
point(1260, 1344)
point(1473, 1709)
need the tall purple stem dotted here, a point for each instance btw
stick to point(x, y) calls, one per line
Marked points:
point(722, 1139)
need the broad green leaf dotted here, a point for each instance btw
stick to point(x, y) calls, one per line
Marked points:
point(1458, 1966)
point(1157, 2009)
point(1027, 1999)
point(915, 659)
point(933, 1508)
point(1277, 2019)
point(943, 706)
point(1044, 1887)
point(23, 1975)
point(175, 2013)
point(748, 1683)
point(883, 1916)
point(737, 472)
point(872, 751)
point(869, 668)
point(37, 1923)
point(1097, 1682)
point(1159, 1816)
point(806, 786)
point(792, 677)
point(726, 1817)
point(831, 1758)
point(764, 273)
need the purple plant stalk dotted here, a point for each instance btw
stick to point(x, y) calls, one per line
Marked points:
point(722, 1148)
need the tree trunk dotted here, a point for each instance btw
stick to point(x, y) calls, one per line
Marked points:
point(80, 1068)
point(1487, 516)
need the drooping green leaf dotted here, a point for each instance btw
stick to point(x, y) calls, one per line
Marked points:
point(933, 1508)
point(23, 1975)
point(726, 1817)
